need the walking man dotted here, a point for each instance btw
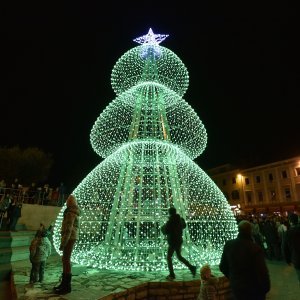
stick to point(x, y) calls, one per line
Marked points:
point(173, 229)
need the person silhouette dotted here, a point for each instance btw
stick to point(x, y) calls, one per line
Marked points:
point(173, 229)
point(14, 212)
point(291, 244)
point(243, 263)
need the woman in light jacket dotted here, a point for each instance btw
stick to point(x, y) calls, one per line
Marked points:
point(69, 235)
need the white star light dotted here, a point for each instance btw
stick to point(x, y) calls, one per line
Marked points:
point(150, 38)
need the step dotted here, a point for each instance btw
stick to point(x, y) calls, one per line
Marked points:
point(13, 254)
point(15, 241)
point(8, 255)
point(14, 247)
point(18, 233)
point(16, 238)
point(18, 226)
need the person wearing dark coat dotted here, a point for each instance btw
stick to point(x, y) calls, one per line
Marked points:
point(243, 263)
point(272, 239)
point(14, 212)
point(291, 244)
point(173, 229)
point(4, 205)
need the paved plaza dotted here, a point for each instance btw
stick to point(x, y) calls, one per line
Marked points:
point(87, 283)
point(93, 284)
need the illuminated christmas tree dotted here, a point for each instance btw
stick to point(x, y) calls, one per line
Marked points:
point(148, 136)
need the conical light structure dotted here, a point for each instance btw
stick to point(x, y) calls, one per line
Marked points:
point(148, 136)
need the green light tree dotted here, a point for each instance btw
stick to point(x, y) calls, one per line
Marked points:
point(148, 137)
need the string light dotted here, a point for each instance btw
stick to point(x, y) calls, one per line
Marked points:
point(148, 136)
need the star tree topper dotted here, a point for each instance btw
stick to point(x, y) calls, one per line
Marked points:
point(151, 38)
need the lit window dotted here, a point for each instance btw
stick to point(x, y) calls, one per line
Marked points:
point(273, 195)
point(287, 193)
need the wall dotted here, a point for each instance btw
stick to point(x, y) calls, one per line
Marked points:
point(169, 291)
point(33, 214)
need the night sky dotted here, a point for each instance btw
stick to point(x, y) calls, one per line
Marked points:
point(57, 62)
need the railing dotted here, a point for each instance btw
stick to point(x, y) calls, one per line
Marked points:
point(39, 196)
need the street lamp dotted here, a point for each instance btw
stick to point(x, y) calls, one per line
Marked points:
point(240, 178)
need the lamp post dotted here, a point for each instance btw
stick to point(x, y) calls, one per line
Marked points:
point(241, 183)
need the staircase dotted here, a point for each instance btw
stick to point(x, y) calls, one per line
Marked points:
point(14, 246)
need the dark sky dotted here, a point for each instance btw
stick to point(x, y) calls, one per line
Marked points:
point(57, 62)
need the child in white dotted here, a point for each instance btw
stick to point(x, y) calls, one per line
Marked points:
point(208, 287)
point(40, 250)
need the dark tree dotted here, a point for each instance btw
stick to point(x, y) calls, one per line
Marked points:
point(28, 165)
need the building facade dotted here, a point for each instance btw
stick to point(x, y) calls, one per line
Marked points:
point(270, 188)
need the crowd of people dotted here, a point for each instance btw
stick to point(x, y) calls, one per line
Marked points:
point(243, 259)
point(12, 198)
point(10, 208)
point(34, 194)
point(268, 232)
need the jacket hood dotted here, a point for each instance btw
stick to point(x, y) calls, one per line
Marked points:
point(73, 209)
